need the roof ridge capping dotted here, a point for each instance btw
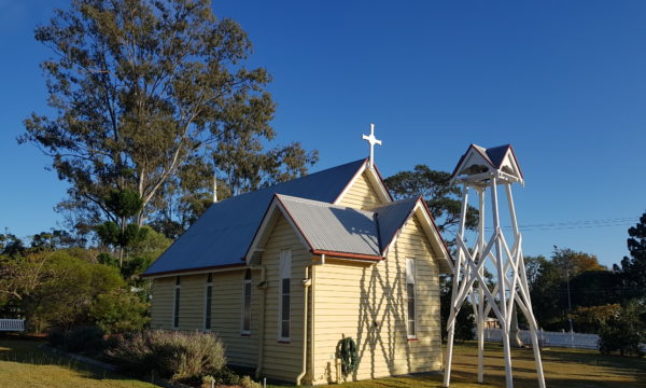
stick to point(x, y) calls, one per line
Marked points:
point(315, 202)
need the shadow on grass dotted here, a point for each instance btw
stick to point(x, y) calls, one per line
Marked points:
point(28, 350)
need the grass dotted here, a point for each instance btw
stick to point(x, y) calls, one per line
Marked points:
point(566, 368)
point(24, 364)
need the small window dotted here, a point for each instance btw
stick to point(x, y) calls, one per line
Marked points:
point(208, 292)
point(246, 308)
point(285, 295)
point(176, 303)
point(411, 324)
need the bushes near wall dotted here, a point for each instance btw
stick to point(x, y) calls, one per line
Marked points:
point(178, 356)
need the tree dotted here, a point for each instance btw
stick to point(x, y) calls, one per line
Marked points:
point(443, 200)
point(632, 270)
point(572, 263)
point(625, 331)
point(142, 88)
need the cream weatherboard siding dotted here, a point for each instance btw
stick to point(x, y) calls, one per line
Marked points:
point(161, 311)
point(282, 359)
point(361, 195)
point(226, 310)
point(368, 303)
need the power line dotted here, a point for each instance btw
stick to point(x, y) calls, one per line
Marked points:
point(579, 224)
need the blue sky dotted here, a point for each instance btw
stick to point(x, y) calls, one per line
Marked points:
point(564, 82)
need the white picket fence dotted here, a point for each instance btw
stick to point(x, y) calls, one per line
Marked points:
point(551, 338)
point(12, 325)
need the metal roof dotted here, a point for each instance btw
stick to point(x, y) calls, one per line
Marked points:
point(222, 235)
point(391, 218)
point(329, 227)
point(497, 154)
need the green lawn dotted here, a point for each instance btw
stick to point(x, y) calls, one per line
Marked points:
point(566, 368)
point(24, 364)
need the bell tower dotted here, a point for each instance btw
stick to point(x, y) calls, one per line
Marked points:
point(481, 171)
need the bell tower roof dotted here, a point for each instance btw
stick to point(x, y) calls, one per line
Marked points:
point(479, 164)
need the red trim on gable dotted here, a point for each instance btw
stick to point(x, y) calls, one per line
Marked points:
point(262, 220)
point(390, 240)
point(283, 207)
point(381, 178)
point(347, 255)
point(193, 269)
point(437, 230)
point(356, 174)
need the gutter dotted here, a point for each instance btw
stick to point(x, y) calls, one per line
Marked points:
point(261, 340)
point(307, 282)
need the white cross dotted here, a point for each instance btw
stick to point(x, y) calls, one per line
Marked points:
point(372, 140)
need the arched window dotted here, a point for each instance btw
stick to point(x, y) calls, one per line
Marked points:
point(246, 303)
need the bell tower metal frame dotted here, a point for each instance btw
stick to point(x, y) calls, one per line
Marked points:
point(481, 171)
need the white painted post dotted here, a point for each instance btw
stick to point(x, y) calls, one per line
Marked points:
point(481, 317)
point(450, 324)
point(509, 383)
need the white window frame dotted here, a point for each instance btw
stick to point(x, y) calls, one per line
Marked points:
point(245, 282)
point(411, 279)
point(177, 297)
point(208, 310)
point(284, 273)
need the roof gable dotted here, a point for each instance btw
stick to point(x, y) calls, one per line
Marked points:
point(334, 230)
point(366, 190)
point(223, 234)
point(482, 163)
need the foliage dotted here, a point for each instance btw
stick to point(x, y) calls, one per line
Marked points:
point(464, 323)
point(624, 332)
point(10, 245)
point(227, 377)
point(593, 319)
point(633, 269)
point(119, 311)
point(68, 288)
point(84, 339)
point(54, 239)
point(175, 355)
point(442, 199)
point(347, 352)
point(589, 283)
point(146, 94)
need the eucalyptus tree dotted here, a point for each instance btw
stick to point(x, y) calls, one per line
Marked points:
point(139, 89)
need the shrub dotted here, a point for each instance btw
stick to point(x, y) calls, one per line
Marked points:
point(228, 377)
point(119, 311)
point(174, 355)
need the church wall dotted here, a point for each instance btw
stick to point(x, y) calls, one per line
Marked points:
point(367, 302)
point(361, 195)
point(226, 310)
point(283, 360)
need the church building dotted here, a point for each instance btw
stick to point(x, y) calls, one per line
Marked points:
point(283, 274)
